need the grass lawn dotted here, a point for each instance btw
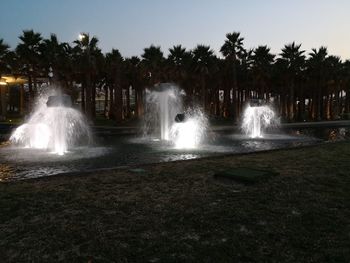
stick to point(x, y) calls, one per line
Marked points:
point(183, 212)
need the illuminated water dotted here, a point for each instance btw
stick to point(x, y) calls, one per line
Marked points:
point(256, 119)
point(190, 133)
point(55, 129)
point(55, 140)
point(117, 150)
point(163, 103)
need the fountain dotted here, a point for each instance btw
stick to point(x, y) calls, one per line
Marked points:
point(162, 104)
point(189, 129)
point(165, 116)
point(256, 118)
point(54, 126)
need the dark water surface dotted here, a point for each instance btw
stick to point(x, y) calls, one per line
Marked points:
point(122, 150)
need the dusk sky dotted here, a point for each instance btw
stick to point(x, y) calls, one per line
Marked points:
point(132, 25)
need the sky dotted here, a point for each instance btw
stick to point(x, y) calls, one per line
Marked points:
point(132, 25)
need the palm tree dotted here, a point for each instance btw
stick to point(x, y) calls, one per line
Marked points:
point(179, 60)
point(179, 63)
point(87, 53)
point(152, 61)
point(294, 61)
point(4, 67)
point(346, 80)
point(66, 68)
point(232, 49)
point(203, 59)
point(317, 71)
point(132, 74)
point(244, 78)
point(262, 61)
point(4, 51)
point(29, 52)
point(114, 62)
point(53, 54)
point(334, 74)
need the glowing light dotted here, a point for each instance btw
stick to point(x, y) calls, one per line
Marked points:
point(186, 132)
point(11, 80)
point(255, 119)
point(3, 82)
point(40, 136)
point(163, 105)
point(189, 134)
point(52, 128)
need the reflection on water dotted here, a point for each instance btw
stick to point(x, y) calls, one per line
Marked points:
point(180, 157)
point(326, 134)
point(17, 163)
point(257, 145)
point(6, 172)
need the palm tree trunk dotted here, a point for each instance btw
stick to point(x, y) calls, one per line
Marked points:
point(285, 107)
point(227, 100)
point(105, 107)
point(234, 89)
point(203, 93)
point(217, 102)
point(241, 101)
point(118, 104)
point(136, 102)
point(88, 103)
point(302, 108)
point(3, 104)
point(21, 103)
point(291, 103)
point(319, 105)
point(336, 108)
point(127, 102)
point(31, 93)
point(347, 100)
point(139, 101)
point(111, 101)
point(140, 107)
point(93, 101)
point(35, 91)
point(83, 88)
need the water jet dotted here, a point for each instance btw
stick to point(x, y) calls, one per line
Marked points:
point(54, 126)
point(257, 118)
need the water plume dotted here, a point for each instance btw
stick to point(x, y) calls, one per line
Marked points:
point(256, 119)
point(56, 128)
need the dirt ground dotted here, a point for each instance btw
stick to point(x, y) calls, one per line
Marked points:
point(180, 212)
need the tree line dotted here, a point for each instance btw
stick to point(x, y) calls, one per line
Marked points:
point(302, 86)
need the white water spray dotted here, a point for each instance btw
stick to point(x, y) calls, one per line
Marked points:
point(162, 105)
point(56, 128)
point(191, 132)
point(256, 119)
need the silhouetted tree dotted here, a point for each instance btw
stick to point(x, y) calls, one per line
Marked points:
point(152, 62)
point(294, 61)
point(203, 59)
point(86, 52)
point(231, 50)
point(29, 53)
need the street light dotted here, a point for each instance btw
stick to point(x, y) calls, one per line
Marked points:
point(3, 82)
point(81, 36)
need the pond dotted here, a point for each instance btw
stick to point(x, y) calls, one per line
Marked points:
point(111, 151)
